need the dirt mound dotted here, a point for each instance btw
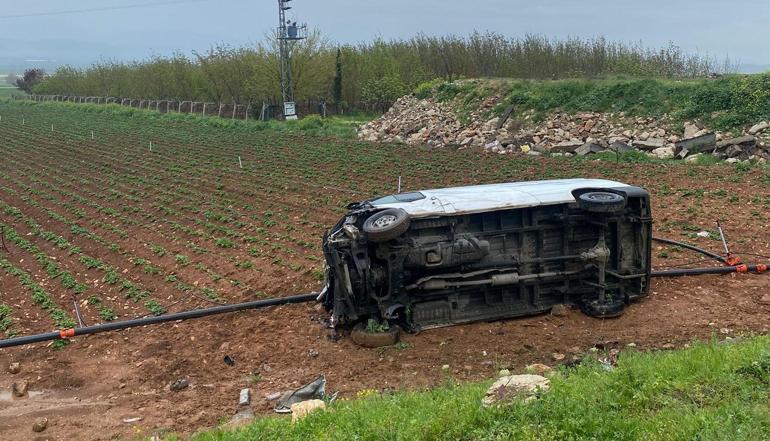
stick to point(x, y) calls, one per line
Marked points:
point(430, 122)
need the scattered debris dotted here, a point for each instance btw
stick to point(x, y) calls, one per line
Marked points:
point(304, 408)
point(179, 384)
point(132, 420)
point(273, 396)
point(40, 425)
point(229, 360)
point(14, 368)
point(312, 353)
point(19, 389)
point(702, 234)
point(557, 356)
point(316, 389)
point(506, 389)
point(245, 413)
point(245, 397)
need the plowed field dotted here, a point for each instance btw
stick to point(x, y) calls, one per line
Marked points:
point(135, 215)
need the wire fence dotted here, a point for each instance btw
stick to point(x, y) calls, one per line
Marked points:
point(265, 111)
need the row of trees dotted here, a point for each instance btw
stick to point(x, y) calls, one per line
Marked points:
point(368, 74)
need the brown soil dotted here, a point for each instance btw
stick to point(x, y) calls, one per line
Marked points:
point(90, 388)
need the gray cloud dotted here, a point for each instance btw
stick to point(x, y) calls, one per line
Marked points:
point(738, 29)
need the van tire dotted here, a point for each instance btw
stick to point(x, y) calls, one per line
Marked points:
point(386, 224)
point(601, 202)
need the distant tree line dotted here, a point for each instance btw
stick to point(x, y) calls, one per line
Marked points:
point(367, 75)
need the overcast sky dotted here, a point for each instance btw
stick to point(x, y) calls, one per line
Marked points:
point(738, 29)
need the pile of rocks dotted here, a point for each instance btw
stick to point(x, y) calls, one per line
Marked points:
point(427, 122)
point(416, 122)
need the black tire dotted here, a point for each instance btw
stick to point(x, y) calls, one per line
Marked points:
point(595, 308)
point(361, 337)
point(386, 224)
point(601, 202)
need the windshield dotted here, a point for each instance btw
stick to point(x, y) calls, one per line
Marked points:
point(400, 197)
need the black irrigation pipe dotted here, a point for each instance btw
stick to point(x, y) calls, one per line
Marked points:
point(757, 269)
point(303, 298)
point(185, 315)
point(690, 247)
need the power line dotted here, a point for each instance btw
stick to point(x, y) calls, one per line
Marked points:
point(100, 9)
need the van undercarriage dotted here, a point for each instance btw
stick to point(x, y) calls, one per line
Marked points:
point(443, 270)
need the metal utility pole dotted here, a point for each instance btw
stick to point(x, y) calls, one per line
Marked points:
point(288, 33)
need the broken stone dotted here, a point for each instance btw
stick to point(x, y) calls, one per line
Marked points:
point(507, 389)
point(557, 356)
point(504, 117)
point(312, 353)
point(179, 384)
point(620, 147)
point(650, 144)
point(243, 417)
point(19, 389)
point(273, 396)
point(244, 398)
point(587, 148)
point(504, 373)
point(699, 144)
point(690, 130)
point(664, 153)
point(559, 310)
point(733, 151)
point(566, 146)
point(741, 140)
point(304, 408)
point(540, 369)
point(14, 368)
point(693, 158)
point(40, 425)
point(732, 160)
point(757, 128)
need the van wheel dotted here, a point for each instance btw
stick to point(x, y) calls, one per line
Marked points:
point(609, 309)
point(601, 202)
point(386, 224)
point(367, 339)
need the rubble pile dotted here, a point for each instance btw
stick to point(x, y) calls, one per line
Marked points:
point(427, 122)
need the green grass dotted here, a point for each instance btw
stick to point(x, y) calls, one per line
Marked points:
point(725, 103)
point(337, 126)
point(9, 91)
point(711, 391)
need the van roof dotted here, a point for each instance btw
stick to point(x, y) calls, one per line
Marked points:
point(489, 197)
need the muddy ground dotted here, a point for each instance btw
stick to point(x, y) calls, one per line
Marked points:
point(97, 383)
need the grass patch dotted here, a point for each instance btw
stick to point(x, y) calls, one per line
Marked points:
point(10, 91)
point(725, 103)
point(710, 391)
point(313, 125)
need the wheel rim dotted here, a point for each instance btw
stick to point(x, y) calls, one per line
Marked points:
point(384, 221)
point(602, 197)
